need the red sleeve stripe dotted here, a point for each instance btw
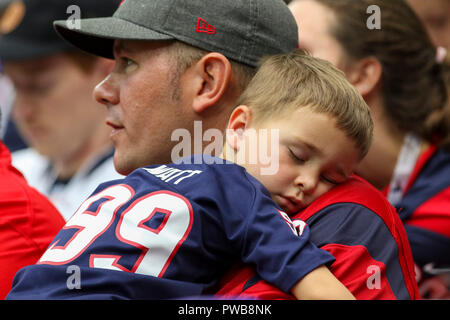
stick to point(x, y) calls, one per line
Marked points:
point(434, 214)
point(364, 276)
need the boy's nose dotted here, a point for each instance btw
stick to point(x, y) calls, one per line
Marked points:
point(307, 182)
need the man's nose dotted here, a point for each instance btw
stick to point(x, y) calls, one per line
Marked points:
point(107, 91)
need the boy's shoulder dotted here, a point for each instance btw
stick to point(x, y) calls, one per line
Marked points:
point(195, 177)
point(195, 171)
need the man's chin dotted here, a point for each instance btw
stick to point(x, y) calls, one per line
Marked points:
point(121, 166)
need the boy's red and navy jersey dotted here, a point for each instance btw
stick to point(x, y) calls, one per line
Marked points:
point(170, 231)
point(425, 209)
point(356, 224)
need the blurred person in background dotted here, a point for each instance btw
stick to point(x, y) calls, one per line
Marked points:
point(397, 70)
point(70, 152)
point(435, 16)
point(6, 101)
point(8, 132)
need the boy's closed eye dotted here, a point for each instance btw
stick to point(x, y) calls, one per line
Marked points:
point(300, 157)
point(335, 176)
point(297, 155)
point(333, 181)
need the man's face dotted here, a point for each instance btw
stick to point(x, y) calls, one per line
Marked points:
point(53, 108)
point(142, 96)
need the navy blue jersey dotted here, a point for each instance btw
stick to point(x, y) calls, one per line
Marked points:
point(425, 209)
point(166, 232)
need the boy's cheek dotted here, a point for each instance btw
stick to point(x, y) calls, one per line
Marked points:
point(321, 190)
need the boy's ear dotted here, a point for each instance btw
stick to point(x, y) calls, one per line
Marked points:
point(365, 75)
point(237, 124)
point(210, 78)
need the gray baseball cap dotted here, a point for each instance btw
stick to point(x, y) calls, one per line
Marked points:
point(242, 30)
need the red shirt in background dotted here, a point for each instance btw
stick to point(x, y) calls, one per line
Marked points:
point(28, 222)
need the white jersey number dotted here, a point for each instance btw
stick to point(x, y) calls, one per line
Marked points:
point(158, 245)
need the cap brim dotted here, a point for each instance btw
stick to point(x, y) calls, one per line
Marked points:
point(97, 35)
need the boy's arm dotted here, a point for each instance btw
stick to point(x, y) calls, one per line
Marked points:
point(321, 284)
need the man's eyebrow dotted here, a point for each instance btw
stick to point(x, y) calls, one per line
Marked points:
point(120, 47)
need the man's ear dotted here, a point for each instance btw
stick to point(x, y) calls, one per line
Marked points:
point(238, 122)
point(365, 75)
point(212, 75)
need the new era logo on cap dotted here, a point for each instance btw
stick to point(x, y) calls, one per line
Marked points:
point(203, 26)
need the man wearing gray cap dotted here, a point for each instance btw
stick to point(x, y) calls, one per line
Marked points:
point(196, 58)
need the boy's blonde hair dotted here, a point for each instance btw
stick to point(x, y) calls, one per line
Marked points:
point(285, 82)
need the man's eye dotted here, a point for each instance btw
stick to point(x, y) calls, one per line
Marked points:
point(36, 87)
point(127, 63)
